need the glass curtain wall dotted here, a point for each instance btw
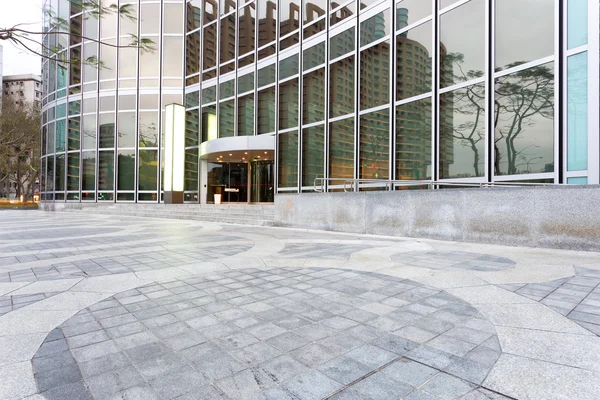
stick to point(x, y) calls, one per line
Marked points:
point(404, 89)
point(371, 90)
point(102, 125)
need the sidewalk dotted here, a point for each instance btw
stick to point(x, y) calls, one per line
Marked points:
point(114, 307)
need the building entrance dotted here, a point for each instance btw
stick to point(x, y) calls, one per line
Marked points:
point(241, 182)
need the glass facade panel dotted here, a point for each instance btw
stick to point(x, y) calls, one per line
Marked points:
point(194, 11)
point(414, 62)
point(192, 127)
point(73, 171)
point(106, 129)
point(209, 94)
point(246, 115)
point(126, 170)
point(106, 170)
point(413, 140)
point(227, 38)
point(149, 18)
point(74, 133)
point(61, 134)
point(290, 16)
point(192, 53)
point(341, 87)
point(410, 11)
point(313, 56)
point(89, 132)
point(288, 159)
point(314, 28)
point(577, 24)
point(577, 112)
point(148, 167)
point(173, 18)
point(227, 89)
point(462, 132)
point(341, 44)
point(148, 129)
point(50, 174)
point(375, 145)
point(375, 28)
point(288, 67)
point(192, 99)
point(313, 97)
point(313, 10)
point(524, 31)
point(172, 56)
point(266, 75)
point(267, 22)
point(462, 60)
point(266, 110)
point(577, 181)
point(209, 46)
point(341, 149)
point(246, 83)
point(60, 173)
point(210, 10)
point(226, 121)
point(209, 123)
point(375, 76)
point(246, 35)
point(342, 13)
point(127, 132)
point(524, 129)
point(313, 154)
point(149, 67)
point(288, 104)
point(191, 170)
point(88, 177)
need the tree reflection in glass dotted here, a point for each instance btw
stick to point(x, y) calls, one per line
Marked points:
point(524, 121)
point(462, 132)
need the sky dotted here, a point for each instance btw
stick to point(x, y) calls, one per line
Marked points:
point(18, 61)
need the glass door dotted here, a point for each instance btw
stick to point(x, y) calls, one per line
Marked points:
point(262, 181)
point(230, 180)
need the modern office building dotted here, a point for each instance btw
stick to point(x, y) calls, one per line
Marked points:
point(280, 93)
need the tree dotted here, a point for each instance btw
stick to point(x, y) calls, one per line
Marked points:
point(46, 44)
point(19, 146)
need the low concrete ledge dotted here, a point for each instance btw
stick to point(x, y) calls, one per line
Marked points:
point(565, 217)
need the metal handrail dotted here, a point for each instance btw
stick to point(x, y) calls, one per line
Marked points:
point(355, 184)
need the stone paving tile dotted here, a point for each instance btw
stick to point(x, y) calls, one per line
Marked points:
point(274, 342)
point(454, 260)
point(572, 297)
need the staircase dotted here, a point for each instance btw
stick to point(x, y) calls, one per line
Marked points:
point(245, 214)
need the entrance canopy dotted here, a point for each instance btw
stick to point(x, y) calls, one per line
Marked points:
point(238, 148)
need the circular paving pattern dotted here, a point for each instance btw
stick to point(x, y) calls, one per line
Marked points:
point(117, 259)
point(287, 333)
point(454, 260)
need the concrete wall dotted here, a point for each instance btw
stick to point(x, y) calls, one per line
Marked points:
point(566, 217)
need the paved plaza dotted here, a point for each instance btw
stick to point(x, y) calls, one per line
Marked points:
point(122, 308)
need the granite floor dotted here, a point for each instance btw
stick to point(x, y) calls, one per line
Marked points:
point(111, 307)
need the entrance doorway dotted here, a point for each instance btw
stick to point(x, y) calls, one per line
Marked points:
point(241, 182)
point(262, 181)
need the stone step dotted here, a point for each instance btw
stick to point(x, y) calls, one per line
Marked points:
point(260, 215)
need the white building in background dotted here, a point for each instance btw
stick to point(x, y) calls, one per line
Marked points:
point(25, 88)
